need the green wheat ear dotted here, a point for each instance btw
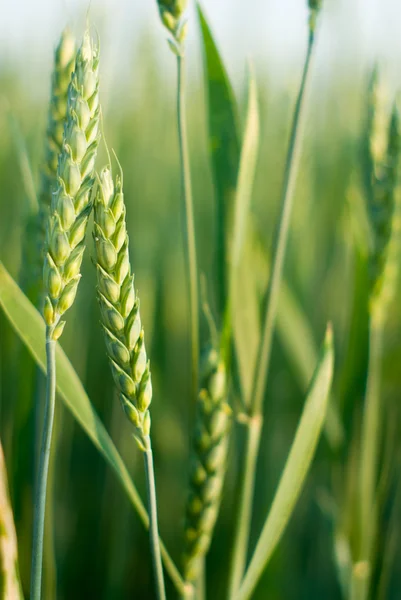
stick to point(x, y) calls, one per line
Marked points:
point(119, 306)
point(382, 166)
point(209, 460)
point(71, 202)
point(314, 7)
point(171, 14)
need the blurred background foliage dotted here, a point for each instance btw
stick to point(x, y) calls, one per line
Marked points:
point(101, 548)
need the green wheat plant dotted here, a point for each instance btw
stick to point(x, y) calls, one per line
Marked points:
point(65, 244)
point(254, 416)
point(381, 153)
point(274, 443)
point(124, 334)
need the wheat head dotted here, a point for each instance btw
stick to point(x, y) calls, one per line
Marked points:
point(209, 459)
point(71, 202)
point(119, 306)
point(382, 148)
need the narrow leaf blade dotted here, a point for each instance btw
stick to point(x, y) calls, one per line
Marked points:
point(223, 143)
point(295, 470)
point(246, 174)
point(298, 341)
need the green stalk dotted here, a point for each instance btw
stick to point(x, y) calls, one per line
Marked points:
point(40, 500)
point(238, 561)
point(370, 441)
point(255, 416)
point(186, 187)
point(360, 581)
point(153, 528)
point(201, 582)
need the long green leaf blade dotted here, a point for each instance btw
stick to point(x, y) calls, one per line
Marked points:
point(298, 341)
point(223, 142)
point(30, 327)
point(246, 176)
point(296, 468)
point(246, 173)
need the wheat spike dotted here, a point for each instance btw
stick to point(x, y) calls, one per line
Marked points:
point(171, 14)
point(314, 9)
point(382, 147)
point(209, 459)
point(119, 306)
point(71, 202)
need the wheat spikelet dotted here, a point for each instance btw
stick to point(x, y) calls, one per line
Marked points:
point(381, 168)
point(119, 306)
point(71, 202)
point(209, 463)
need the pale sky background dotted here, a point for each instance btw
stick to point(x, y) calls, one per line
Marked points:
point(271, 32)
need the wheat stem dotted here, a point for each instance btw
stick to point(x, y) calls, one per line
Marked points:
point(253, 424)
point(153, 528)
point(186, 187)
point(290, 175)
point(40, 501)
point(253, 432)
point(370, 440)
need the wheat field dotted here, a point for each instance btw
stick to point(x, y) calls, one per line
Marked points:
point(228, 365)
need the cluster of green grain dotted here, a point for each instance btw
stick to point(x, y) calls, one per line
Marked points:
point(119, 306)
point(381, 169)
point(209, 459)
point(71, 202)
point(171, 13)
point(314, 6)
